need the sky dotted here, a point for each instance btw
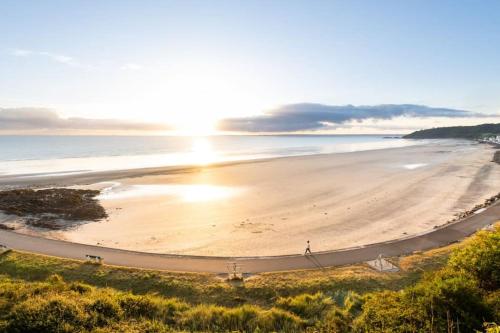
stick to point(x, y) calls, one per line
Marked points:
point(198, 66)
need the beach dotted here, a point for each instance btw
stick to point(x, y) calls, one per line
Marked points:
point(273, 206)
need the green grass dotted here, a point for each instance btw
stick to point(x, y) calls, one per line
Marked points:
point(46, 294)
point(199, 288)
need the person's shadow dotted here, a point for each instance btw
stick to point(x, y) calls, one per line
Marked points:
point(314, 260)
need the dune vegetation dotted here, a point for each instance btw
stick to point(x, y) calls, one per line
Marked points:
point(443, 290)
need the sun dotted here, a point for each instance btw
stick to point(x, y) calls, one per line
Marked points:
point(191, 97)
point(196, 125)
point(202, 151)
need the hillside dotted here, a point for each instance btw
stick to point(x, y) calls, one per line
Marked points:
point(435, 291)
point(457, 132)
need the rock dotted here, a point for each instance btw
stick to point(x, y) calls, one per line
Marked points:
point(54, 208)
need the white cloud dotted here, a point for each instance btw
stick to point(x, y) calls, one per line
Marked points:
point(66, 60)
point(59, 58)
point(63, 59)
point(20, 53)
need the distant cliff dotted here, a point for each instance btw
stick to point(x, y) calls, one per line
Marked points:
point(457, 132)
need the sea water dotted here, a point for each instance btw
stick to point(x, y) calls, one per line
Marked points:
point(32, 156)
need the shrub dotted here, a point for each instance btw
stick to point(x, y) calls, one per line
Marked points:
point(435, 304)
point(103, 310)
point(481, 257)
point(247, 318)
point(448, 297)
point(385, 312)
point(493, 301)
point(306, 305)
point(55, 279)
point(51, 314)
point(334, 320)
point(80, 288)
point(139, 306)
point(353, 303)
point(278, 320)
point(151, 307)
point(202, 317)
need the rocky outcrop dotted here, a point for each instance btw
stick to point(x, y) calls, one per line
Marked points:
point(53, 208)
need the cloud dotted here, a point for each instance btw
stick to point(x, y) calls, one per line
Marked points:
point(21, 53)
point(41, 119)
point(310, 116)
point(67, 60)
point(59, 58)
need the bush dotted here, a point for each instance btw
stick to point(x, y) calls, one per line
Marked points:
point(103, 310)
point(386, 311)
point(334, 320)
point(139, 306)
point(80, 288)
point(353, 303)
point(277, 320)
point(247, 318)
point(151, 307)
point(52, 314)
point(306, 305)
point(448, 297)
point(493, 301)
point(481, 257)
point(435, 304)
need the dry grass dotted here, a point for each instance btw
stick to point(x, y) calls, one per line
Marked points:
point(197, 288)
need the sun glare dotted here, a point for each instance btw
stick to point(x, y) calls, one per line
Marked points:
point(202, 151)
point(185, 192)
point(193, 97)
point(202, 192)
point(201, 126)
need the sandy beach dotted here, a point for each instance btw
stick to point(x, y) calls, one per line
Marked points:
point(273, 206)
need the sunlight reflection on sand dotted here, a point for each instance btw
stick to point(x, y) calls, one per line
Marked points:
point(414, 166)
point(185, 192)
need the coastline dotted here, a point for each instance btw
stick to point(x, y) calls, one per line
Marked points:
point(337, 200)
point(88, 177)
point(75, 155)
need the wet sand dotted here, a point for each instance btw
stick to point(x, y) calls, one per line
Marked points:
point(272, 207)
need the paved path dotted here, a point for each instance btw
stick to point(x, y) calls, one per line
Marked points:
point(435, 238)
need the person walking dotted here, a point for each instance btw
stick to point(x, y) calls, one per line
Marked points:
point(308, 248)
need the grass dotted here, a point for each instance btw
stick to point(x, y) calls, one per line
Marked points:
point(197, 288)
point(434, 291)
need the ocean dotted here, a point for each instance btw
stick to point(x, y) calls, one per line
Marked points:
point(31, 156)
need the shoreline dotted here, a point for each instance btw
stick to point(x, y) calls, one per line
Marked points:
point(199, 151)
point(87, 177)
point(339, 200)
